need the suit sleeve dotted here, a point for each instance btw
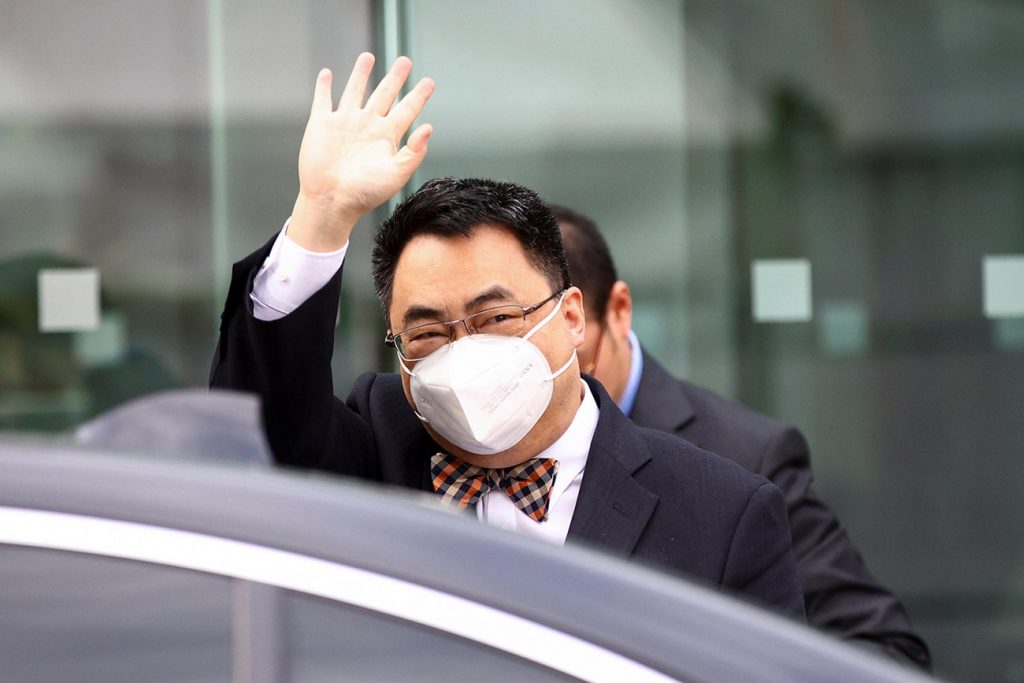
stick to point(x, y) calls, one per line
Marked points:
point(760, 559)
point(841, 595)
point(287, 364)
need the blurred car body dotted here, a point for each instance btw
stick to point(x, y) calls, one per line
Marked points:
point(115, 567)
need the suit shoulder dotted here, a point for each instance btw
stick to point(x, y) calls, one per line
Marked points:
point(713, 406)
point(377, 389)
point(754, 440)
point(371, 381)
point(675, 459)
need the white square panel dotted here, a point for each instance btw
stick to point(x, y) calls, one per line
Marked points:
point(781, 290)
point(1003, 286)
point(69, 299)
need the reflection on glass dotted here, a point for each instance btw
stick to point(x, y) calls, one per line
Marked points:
point(329, 641)
point(71, 617)
point(128, 132)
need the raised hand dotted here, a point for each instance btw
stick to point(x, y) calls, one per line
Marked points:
point(351, 160)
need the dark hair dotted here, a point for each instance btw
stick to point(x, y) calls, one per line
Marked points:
point(590, 261)
point(454, 207)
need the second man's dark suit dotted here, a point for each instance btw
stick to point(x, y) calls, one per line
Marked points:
point(644, 495)
point(841, 595)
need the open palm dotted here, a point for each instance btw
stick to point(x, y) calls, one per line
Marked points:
point(352, 158)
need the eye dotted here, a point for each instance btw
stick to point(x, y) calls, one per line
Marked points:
point(426, 334)
point(496, 319)
point(499, 321)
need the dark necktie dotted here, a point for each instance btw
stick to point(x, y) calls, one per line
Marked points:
point(527, 484)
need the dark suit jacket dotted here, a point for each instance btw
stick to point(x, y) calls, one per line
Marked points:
point(645, 495)
point(840, 593)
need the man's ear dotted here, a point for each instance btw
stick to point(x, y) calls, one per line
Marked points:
point(575, 317)
point(619, 314)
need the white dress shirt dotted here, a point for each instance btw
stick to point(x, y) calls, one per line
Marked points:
point(291, 274)
point(496, 509)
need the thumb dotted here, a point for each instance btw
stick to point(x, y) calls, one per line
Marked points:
point(417, 142)
point(415, 149)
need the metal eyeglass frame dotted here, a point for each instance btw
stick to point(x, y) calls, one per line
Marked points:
point(391, 339)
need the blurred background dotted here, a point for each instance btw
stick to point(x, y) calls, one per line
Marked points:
point(819, 205)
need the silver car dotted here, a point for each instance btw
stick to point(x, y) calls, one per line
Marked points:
point(115, 567)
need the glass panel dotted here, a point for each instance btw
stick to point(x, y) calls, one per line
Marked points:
point(603, 131)
point(71, 617)
point(329, 642)
point(879, 144)
point(152, 143)
point(884, 142)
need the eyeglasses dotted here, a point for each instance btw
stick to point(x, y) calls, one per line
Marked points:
point(419, 341)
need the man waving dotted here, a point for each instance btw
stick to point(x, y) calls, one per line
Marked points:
point(489, 409)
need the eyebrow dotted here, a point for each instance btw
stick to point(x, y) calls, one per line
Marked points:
point(489, 296)
point(419, 312)
point(416, 313)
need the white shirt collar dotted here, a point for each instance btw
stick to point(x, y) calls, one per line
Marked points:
point(571, 451)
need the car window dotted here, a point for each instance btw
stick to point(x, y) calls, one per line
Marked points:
point(72, 617)
point(330, 641)
point(67, 616)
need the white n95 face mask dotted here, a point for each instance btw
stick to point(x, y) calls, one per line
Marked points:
point(485, 392)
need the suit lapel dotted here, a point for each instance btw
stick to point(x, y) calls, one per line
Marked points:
point(405, 446)
point(661, 403)
point(612, 510)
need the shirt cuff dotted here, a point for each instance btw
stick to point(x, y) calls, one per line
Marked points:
point(290, 275)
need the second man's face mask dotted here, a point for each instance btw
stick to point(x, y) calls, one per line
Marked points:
point(484, 392)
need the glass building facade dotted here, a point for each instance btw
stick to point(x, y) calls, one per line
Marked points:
point(818, 205)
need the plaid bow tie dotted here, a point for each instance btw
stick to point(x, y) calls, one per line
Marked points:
point(527, 484)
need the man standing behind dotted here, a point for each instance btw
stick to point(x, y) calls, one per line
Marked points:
point(489, 409)
point(840, 594)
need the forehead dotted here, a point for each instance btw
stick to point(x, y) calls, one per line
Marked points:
point(446, 272)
